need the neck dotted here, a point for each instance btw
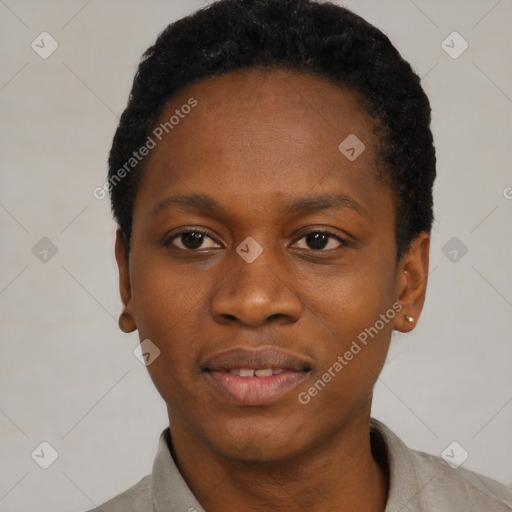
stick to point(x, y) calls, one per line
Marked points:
point(339, 474)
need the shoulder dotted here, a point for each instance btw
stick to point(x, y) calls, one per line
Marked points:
point(137, 498)
point(420, 481)
point(471, 491)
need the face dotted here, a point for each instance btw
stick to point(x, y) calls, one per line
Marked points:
point(260, 254)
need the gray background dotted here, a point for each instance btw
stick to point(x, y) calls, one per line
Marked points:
point(69, 376)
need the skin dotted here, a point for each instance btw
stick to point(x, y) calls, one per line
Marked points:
point(257, 141)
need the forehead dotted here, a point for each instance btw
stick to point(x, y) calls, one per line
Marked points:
point(251, 106)
point(264, 134)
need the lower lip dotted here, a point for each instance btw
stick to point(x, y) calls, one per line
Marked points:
point(256, 390)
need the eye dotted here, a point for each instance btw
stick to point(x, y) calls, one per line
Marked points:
point(192, 240)
point(321, 240)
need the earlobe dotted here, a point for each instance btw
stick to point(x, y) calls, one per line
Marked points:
point(126, 322)
point(126, 319)
point(412, 277)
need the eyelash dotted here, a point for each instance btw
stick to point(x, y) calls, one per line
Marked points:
point(168, 242)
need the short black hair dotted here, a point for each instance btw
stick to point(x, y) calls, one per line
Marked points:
point(307, 36)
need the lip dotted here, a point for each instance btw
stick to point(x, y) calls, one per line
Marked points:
point(255, 390)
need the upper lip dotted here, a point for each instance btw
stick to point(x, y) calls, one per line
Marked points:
point(257, 359)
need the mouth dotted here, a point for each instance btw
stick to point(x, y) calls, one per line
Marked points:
point(255, 376)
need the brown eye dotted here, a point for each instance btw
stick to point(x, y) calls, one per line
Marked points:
point(318, 241)
point(192, 240)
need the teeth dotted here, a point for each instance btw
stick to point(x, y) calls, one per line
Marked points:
point(263, 373)
point(249, 372)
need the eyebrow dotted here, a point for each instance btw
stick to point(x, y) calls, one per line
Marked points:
point(304, 205)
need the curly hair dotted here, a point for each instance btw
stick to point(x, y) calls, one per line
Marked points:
point(306, 36)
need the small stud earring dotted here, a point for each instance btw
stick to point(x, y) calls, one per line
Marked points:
point(409, 318)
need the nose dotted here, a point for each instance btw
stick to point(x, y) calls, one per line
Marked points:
point(255, 294)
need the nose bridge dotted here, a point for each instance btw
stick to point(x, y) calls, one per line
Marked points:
point(255, 287)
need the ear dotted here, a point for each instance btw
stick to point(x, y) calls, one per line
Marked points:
point(127, 318)
point(411, 284)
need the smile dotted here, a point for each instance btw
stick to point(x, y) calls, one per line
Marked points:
point(255, 376)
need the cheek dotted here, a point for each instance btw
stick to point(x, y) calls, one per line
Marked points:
point(167, 307)
point(353, 296)
point(353, 311)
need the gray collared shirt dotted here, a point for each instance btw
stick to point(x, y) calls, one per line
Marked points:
point(418, 482)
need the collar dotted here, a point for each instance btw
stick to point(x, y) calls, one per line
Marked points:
point(415, 479)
